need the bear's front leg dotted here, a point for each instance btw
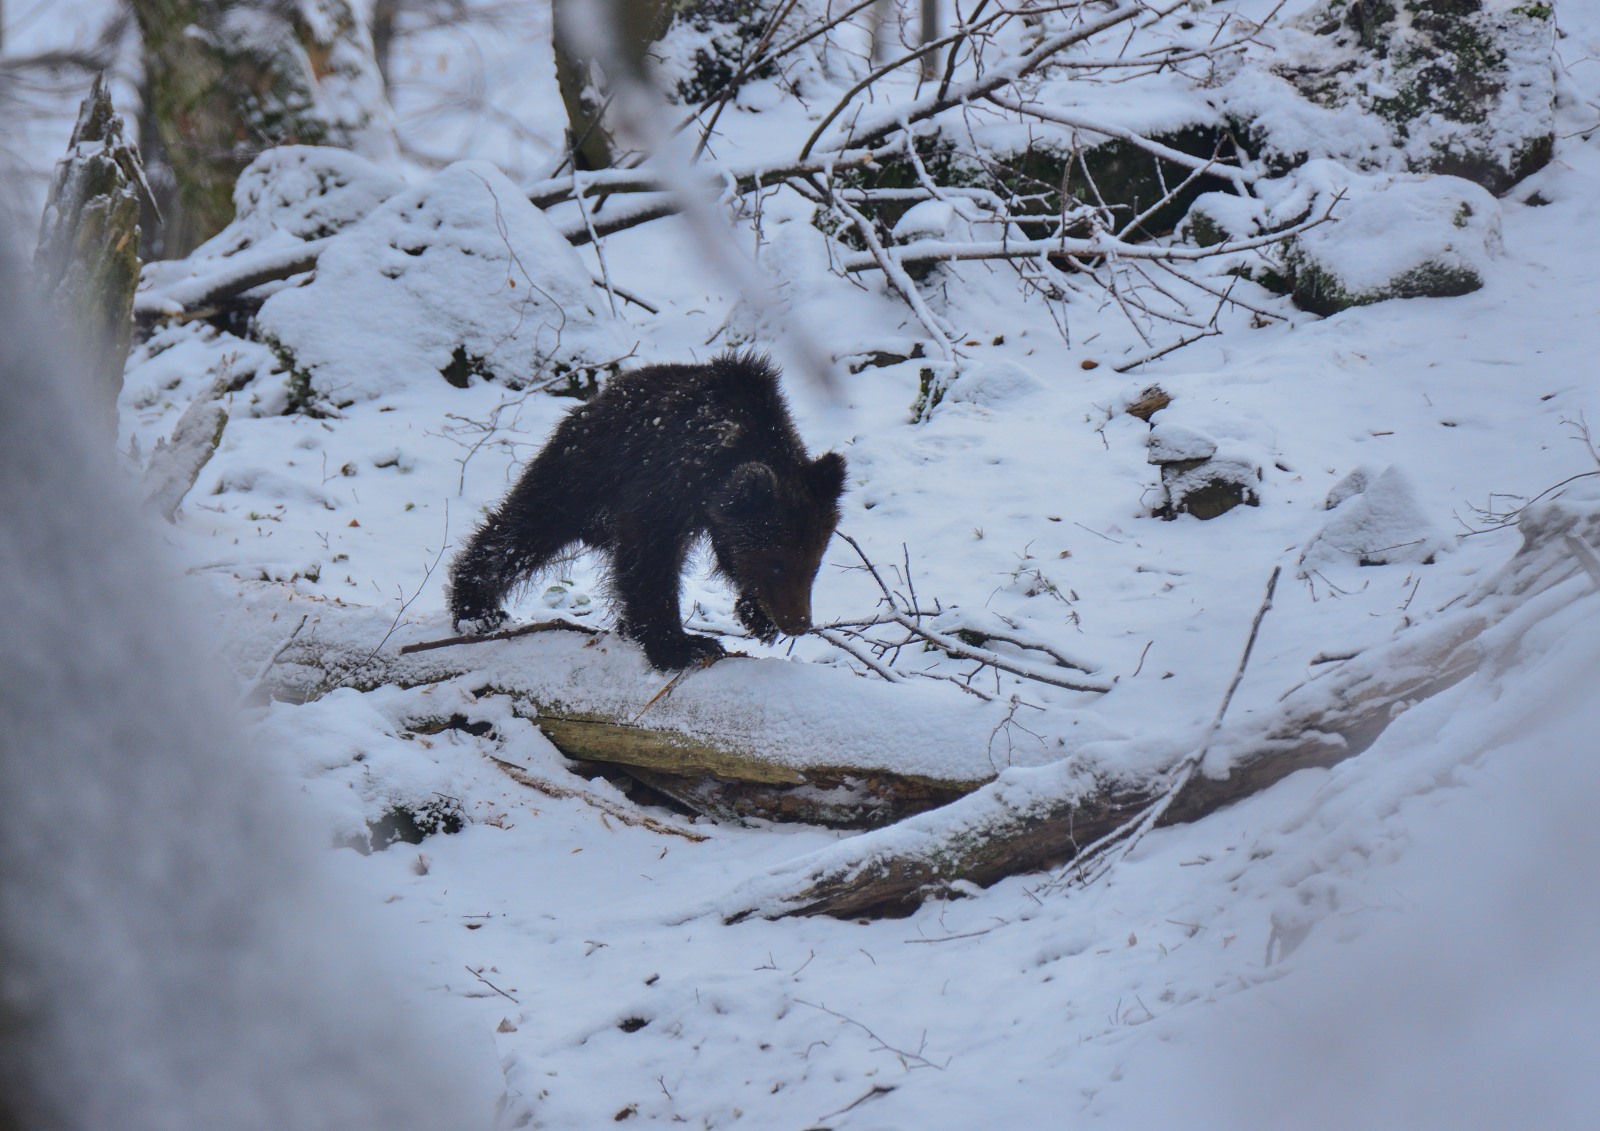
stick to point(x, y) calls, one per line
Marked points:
point(647, 581)
point(755, 618)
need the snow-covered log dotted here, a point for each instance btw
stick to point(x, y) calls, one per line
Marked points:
point(1030, 819)
point(742, 738)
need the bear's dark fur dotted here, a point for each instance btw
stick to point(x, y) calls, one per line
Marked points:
point(662, 456)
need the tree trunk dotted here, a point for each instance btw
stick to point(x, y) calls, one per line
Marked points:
point(87, 260)
point(926, 34)
point(629, 27)
point(226, 81)
point(674, 734)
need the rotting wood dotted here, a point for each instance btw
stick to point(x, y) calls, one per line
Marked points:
point(599, 739)
point(838, 799)
point(87, 260)
point(627, 816)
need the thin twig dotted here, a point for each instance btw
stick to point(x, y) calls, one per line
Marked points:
point(491, 985)
point(905, 1057)
point(249, 689)
point(503, 634)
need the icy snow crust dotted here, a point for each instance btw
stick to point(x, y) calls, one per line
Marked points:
point(1411, 883)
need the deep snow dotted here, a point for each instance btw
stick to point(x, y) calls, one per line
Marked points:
point(1401, 941)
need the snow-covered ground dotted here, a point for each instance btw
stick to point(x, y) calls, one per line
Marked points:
point(1405, 940)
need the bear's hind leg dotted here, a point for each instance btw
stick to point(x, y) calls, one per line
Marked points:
point(504, 552)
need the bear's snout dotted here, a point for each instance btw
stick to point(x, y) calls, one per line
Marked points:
point(791, 614)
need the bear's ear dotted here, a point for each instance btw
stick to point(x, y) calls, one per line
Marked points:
point(749, 491)
point(827, 476)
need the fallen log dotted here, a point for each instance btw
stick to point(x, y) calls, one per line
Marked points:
point(739, 739)
point(1030, 819)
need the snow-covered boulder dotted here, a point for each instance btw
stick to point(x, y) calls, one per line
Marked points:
point(1200, 474)
point(302, 192)
point(927, 219)
point(1216, 217)
point(1375, 521)
point(1393, 235)
point(985, 384)
point(454, 278)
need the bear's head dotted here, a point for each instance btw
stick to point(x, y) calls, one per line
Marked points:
point(770, 529)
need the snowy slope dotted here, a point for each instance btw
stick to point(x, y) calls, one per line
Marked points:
point(1401, 941)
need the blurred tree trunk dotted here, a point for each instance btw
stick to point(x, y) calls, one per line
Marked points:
point(384, 13)
point(926, 34)
point(629, 27)
point(87, 261)
point(227, 79)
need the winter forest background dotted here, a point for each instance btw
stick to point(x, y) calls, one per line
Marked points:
point(1198, 729)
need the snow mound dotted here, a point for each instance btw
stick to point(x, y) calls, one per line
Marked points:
point(457, 277)
point(304, 191)
point(1375, 524)
point(1396, 235)
point(285, 200)
point(927, 219)
point(992, 384)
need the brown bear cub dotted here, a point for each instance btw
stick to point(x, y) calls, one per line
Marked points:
point(662, 456)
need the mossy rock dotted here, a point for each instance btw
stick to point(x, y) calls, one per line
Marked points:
point(1464, 87)
point(1127, 178)
point(1322, 292)
point(1393, 236)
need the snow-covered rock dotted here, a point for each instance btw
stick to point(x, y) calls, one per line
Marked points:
point(1393, 235)
point(1210, 456)
point(927, 219)
point(457, 277)
point(992, 384)
point(1377, 524)
point(1172, 443)
point(1429, 86)
point(1218, 216)
point(303, 191)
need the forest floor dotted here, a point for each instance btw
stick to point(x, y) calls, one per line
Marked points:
point(1404, 940)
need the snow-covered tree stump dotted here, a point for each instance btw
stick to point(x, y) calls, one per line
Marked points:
point(88, 255)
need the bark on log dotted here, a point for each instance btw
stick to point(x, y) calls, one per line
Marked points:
point(1034, 819)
